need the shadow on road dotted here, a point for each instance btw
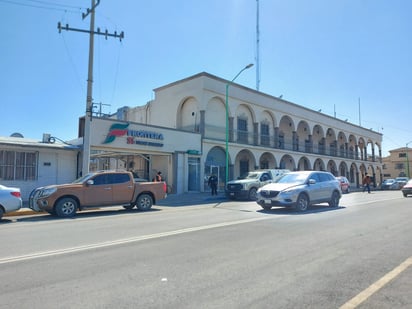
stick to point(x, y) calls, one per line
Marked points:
point(92, 213)
point(289, 211)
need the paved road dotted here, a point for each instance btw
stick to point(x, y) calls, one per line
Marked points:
point(216, 254)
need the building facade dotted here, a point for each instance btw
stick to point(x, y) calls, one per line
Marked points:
point(28, 163)
point(263, 131)
point(183, 134)
point(398, 163)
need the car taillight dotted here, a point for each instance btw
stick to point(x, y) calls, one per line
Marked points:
point(16, 194)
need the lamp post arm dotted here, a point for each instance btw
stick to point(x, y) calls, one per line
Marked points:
point(227, 120)
point(245, 68)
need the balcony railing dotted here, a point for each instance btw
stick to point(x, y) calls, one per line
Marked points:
point(285, 143)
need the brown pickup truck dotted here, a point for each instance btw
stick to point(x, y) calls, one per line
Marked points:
point(97, 189)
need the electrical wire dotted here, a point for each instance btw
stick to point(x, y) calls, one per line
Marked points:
point(45, 5)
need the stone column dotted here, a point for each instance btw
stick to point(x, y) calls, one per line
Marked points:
point(231, 131)
point(276, 138)
point(202, 123)
point(256, 133)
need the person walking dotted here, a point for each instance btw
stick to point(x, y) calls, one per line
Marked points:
point(366, 183)
point(212, 182)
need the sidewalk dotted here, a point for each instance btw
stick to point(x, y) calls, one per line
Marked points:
point(172, 200)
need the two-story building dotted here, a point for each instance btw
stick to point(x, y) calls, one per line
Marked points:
point(263, 131)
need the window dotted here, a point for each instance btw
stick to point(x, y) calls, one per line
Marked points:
point(264, 134)
point(242, 130)
point(399, 166)
point(16, 165)
point(101, 180)
point(118, 178)
point(402, 155)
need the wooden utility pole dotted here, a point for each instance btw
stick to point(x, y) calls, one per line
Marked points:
point(89, 98)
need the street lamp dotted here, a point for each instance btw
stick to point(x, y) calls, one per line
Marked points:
point(407, 158)
point(227, 119)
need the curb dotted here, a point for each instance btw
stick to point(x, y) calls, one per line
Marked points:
point(23, 212)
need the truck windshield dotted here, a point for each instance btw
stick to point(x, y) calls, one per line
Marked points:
point(83, 178)
point(250, 176)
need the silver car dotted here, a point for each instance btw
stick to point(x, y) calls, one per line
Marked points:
point(10, 199)
point(300, 190)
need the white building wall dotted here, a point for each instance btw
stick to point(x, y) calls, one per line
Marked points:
point(55, 166)
point(178, 104)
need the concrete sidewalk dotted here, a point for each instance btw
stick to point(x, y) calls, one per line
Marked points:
point(172, 200)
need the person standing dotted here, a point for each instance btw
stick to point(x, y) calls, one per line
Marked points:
point(212, 182)
point(366, 183)
point(158, 177)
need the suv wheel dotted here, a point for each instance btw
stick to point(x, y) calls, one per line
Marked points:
point(302, 202)
point(334, 202)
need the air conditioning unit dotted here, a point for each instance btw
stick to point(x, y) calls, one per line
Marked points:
point(46, 138)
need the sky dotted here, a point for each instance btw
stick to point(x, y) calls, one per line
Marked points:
point(351, 59)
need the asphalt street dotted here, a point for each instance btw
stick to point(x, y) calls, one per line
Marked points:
point(213, 254)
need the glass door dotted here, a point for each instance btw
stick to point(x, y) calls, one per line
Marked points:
point(194, 174)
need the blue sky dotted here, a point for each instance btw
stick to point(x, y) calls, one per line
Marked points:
point(321, 54)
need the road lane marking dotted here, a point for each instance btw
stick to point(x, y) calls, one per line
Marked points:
point(124, 241)
point(372, 289)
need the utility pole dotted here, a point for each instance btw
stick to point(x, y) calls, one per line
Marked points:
point(89, 98)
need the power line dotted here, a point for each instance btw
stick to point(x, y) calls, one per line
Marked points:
point(45, 5)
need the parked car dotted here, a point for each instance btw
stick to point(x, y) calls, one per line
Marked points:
point(300, 190)
point(390, 184)
point(407, 188)
point(10, 199)
point(344, 184)
point(401, 181)
point(245, 187)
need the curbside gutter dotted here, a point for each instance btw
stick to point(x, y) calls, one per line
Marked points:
point(172, 200)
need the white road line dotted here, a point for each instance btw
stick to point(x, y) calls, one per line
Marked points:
point(124, 241)
point(372, 289)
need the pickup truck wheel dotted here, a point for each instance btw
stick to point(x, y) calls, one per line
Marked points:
point(66, 207)
point(144, 202)
point(252, 194)
point(302, 202)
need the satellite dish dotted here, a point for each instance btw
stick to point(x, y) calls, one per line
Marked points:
point(16, 134)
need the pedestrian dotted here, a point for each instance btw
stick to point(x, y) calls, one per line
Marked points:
point(366, 183)
point(158, 177)
point(212, 182)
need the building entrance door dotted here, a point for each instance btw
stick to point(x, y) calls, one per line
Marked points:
point(194, 174)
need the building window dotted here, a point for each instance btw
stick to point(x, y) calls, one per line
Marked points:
point(402, 155)
point(242, 135)
point(16, 165)
point(264, 134)
point(399, 166)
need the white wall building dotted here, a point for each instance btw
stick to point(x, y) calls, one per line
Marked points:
point(264, 131)
point(182, 133)
point(28, 163)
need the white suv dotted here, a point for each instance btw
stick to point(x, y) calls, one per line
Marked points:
point(300, 190)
